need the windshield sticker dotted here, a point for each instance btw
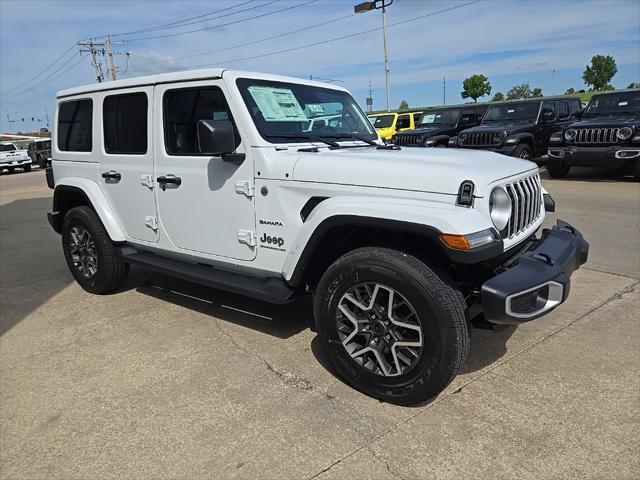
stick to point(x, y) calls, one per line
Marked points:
point(429, 118)
point(511, 110)
point(623, 104)
point(315, 108)
point(278, 104)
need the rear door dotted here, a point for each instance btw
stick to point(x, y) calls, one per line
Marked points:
point(126, 160)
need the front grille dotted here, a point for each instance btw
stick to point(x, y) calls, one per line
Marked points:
point(587, 136)
point(480, 139)
point(526, 204)
point(404, 140)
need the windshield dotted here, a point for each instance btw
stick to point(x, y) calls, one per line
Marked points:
point(438, 117)
point(614, 104)
point(382, 121)
point(7, 147)
point(513, 111)
point(283, 112)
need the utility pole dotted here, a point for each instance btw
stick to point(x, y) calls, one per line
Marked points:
point(379, 5)
point(97, 49)
point(444, 90)
point(370, 98)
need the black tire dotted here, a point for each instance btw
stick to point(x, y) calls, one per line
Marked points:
point(557, 168)
point(636, 170)
point(26, 168)
point(441, 145)
point(440, 311)
point(111, 271)
point(10, 169)
point(522, 151)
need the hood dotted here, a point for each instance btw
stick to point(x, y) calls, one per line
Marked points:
point(436, 170)
point(429, 131)
point(626, 121)
point(510, 127)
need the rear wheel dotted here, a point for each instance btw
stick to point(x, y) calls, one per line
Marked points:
point(522, 151)
point(392, 327)
point(90, 255)
point(557, 168)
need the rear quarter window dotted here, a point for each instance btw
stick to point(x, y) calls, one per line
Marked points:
point(75, 126)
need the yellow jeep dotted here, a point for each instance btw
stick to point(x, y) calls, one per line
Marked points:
point(386, 124)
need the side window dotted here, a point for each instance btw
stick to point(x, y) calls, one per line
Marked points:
point(182, 110)
point(74, 126)
point(124, 119)
point(403, 122)
point(574, 106)
point(546, 106)
point(562, 110)
point(467, 117)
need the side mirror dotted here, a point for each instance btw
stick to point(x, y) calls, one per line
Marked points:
point(547, 114)
point(216, 137)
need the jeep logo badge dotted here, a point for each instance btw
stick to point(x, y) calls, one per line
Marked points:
point(276, 241)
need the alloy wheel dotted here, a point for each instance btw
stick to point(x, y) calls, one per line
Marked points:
point(379, 329)
point(82, 249)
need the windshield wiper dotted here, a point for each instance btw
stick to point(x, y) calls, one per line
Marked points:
point(350, 135)
point(304, 137)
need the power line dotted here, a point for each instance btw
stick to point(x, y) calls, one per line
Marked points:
point(330, 40)
point(180, 23)
point(253, 42)
point(42, 71)
point(168, 35)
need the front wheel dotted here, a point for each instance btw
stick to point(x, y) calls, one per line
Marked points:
point(557, 168)
point(392, 327)
point(90, 255)
point(522, 151)
point(26, 168)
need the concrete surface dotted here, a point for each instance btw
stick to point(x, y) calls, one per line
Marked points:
point(171, 380)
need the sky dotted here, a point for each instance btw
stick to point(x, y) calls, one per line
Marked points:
point(428, 40)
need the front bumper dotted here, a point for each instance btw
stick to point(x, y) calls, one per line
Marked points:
point(537, 280)
point(595, 156)
point(15, 163)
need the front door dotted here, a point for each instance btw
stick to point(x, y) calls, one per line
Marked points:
point(126, 159)
point(546, 127)
point(209, 206)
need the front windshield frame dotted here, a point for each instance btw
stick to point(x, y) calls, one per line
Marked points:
point(594, 108)
point(350, 113)
point(452, 115)
point(531, 113)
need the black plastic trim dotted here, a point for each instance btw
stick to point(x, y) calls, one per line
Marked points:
point(312, 203)
point(549, 203)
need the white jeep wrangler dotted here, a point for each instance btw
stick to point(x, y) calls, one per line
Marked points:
point(216, 176)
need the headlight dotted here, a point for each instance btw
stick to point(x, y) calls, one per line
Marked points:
point(624, 133)
point(570, 134)
point(500, 208)
point(499, 137)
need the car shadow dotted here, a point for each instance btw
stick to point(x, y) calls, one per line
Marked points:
point(593, 174)
point(281, 321)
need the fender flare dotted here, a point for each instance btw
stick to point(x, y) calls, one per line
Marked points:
point(440, 139)
point(426, 218)
point(522, 136)
point(96, 198)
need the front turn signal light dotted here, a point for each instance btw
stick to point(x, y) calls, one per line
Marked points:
point(467, 242)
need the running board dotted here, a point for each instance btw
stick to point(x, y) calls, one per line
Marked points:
point(272, 290)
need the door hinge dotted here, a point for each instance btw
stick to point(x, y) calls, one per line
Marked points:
point(152, 223)
point(146, 180)
point(247, 237)
point(246, 188)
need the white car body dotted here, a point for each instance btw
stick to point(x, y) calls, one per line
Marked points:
point(11, 156)
point(222, 216)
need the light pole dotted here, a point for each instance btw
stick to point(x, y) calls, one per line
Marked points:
point(379, 5)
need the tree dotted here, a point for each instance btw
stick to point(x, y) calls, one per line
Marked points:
point(475, 86)
point(498, 97)
point(536, 92)
point(519, 91)
point(404, 105)
point(633, 85)
point(600, 72)
point(570, 91)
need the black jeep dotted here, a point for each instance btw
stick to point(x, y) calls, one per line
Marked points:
point(520, 128)
point(607, 135)
point(40, 152)
point(436, 126)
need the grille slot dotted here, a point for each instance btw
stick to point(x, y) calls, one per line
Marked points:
point(589, 136)
point(480, 139)
point(404, 140)
point(526, 204)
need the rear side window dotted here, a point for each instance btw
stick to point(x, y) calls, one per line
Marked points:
point(562, 110)
point(74, 126)
point(403, 122)
point(182, 110)
point(124, 119)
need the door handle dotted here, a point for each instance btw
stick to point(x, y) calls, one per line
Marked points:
point(169, 180)
point(111, 176)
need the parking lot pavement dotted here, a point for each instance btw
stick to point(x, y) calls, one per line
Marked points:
point(167, 379)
